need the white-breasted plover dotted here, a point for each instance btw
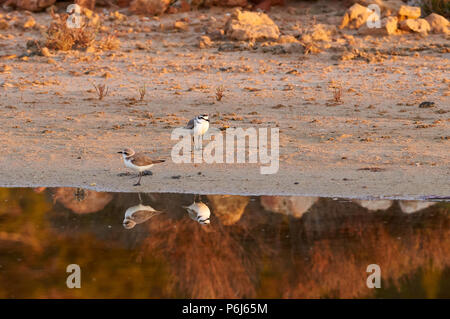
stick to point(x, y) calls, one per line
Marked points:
point(138, 162)
point(199, 125)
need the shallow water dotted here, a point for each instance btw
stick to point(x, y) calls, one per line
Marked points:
point(254, 247)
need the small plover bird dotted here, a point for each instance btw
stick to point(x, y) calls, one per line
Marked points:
point(199, 212)
point(199, 125)
point(138, 214)
point(138, 162)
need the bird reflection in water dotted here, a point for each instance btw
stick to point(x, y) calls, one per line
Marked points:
point(138, 214)
point(198, 211)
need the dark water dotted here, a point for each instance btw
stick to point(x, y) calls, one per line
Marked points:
point(254, 247)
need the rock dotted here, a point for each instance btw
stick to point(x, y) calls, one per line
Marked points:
point(253, 26)
point(438, 23)
point(412, 206)
point(205, 42)
point(387, 7)
point(374, 205)
point(30, 23)
point(408, 12)
point(228, 208)
point(415, 25)
point(355, 16)
point(426, 105)
point(284, 39)
point(294, 206)
point(88, 4)
point(117, 16)
point(3, 24)
point(320, 33)
point(31, 5)
point(228, 3)
point(149, 7)
point(388, 27)
point(180, 25)
point(45, 52)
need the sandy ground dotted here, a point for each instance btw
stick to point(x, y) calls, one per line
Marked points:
point(377, 142)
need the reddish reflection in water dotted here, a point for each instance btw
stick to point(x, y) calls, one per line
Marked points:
point(268, 247)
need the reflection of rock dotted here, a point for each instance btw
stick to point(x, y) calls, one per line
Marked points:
point(355, 16)
point(228, 208)
point(90, 203)
point(137, 215)
point(374, 205)
point(246, 25)
point(289, 205)
point(412, 206)
point(438, 23)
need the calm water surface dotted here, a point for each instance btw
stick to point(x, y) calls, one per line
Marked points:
point(254, 247)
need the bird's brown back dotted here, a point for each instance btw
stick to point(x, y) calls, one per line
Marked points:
point(140, 159)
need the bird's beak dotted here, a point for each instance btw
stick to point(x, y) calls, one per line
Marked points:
point(121, 152)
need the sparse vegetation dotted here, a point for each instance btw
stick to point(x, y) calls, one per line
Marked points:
point(441, 7)
point(102, 90)
point(142, 91)
point(337, 94)
point(60, 37)
point(110, 42)
point(219, 92)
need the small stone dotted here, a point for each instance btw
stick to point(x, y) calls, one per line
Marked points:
point(3, 24)
point(425, 105)
point(180, 25)
point(45, 52)
point(205, 42)
point(30, 23)
point(287, 39)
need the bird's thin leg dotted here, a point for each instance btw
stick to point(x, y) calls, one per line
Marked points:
point(139, 180)
point(198, 144)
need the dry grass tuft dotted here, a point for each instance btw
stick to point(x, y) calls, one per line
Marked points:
point(337, 94)
point(219, 93)
point(441, 7)
point(142, 91)
point(60, 37)
point(102, 90)
point(111, 42)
